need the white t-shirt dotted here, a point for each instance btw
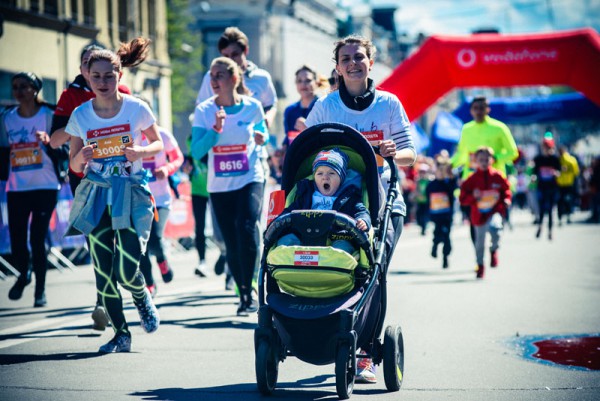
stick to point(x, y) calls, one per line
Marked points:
point(112, 135)
point(30, 166)
point(234, 160)
point(257, 80)
point(160, 188)
point(385, 118)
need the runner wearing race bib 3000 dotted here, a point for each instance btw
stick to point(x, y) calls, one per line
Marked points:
point(230, 127)
point(113, 205)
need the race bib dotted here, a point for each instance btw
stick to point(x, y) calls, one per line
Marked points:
point(306, 258)
point(230, 160)
point(25, 156)
point(488, 200)
point(291, 135)
point(439, 203)
point(110, 142)
point(374, 137)
point(546, 173)
point(150, 165)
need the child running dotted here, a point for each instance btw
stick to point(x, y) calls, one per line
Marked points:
point(330, 190)
point(113, 205)
point(487, 192)
point(440, 196)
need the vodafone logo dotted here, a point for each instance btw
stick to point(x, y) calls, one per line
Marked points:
point(466, 58)
point(271, 206)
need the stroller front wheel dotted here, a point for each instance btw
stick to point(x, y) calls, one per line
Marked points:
point(344, 371)
point(267, 367)
point(393, 358)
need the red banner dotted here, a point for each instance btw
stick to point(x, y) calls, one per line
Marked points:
point(181, 221)
point(493, 60)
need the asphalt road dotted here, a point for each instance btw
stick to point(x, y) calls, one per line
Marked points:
point(465, 339)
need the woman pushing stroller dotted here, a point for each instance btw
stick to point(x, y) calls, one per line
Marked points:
point(378, 116)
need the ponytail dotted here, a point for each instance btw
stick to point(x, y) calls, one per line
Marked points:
point(134, 53)
point(130, 54)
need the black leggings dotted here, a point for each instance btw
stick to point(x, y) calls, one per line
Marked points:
point(155, 245)
point(238, 213)
point(547, 200)
point(39, 205)
point(199, 204)
point(116, 255)
point(441, 234)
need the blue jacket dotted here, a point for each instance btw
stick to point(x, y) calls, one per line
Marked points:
point(348, 201)
point(131, 201)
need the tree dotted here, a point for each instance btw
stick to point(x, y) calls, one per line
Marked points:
point(185, 52)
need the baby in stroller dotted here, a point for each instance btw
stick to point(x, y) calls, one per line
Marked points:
point(330, 190)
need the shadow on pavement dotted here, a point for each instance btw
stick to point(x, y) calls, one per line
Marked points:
point(26, 311)
point(214, 323)
point(14, 359)
point(301, 389)
point(45, 333)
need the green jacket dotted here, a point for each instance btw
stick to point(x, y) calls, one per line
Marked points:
point(492, 133)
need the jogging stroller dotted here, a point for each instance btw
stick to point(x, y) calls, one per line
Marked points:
point(318, 303)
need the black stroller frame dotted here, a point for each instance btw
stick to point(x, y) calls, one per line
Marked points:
point(358, 320)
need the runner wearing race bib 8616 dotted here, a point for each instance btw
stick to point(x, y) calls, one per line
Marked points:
point(230, 127)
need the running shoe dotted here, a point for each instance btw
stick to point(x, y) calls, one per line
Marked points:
point(493, 258)
point(121, 342)
point(480, 271)
point(220, 265)
point(165, 271)
point(445, 262)
point(40, 300)
point(252, 305)
point(100, 318)
point(16, 292)
point(366, 371)
point(149, 318)
point(229, 282)
point(201, 270)
point(241, 310)
point(434, 251)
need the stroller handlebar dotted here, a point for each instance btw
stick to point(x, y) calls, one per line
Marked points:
point(303, 222)
point(390, 161)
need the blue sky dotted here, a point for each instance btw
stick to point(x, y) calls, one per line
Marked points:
point(510, 16)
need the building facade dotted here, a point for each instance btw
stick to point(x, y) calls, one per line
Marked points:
point(283, 36)
point(46, 37)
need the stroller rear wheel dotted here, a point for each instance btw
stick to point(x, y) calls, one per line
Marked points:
point(345, 369)
point(266, 366)
point(393, 358)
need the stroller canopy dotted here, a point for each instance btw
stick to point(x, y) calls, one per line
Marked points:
point(302, 151)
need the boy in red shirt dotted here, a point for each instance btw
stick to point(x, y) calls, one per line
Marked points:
point(488, 194)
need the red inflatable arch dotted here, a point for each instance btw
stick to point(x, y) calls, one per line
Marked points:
point(493, 60)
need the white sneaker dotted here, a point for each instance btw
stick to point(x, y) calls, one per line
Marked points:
point(100, 318)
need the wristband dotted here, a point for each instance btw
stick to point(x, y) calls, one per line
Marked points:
point(218, 131)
